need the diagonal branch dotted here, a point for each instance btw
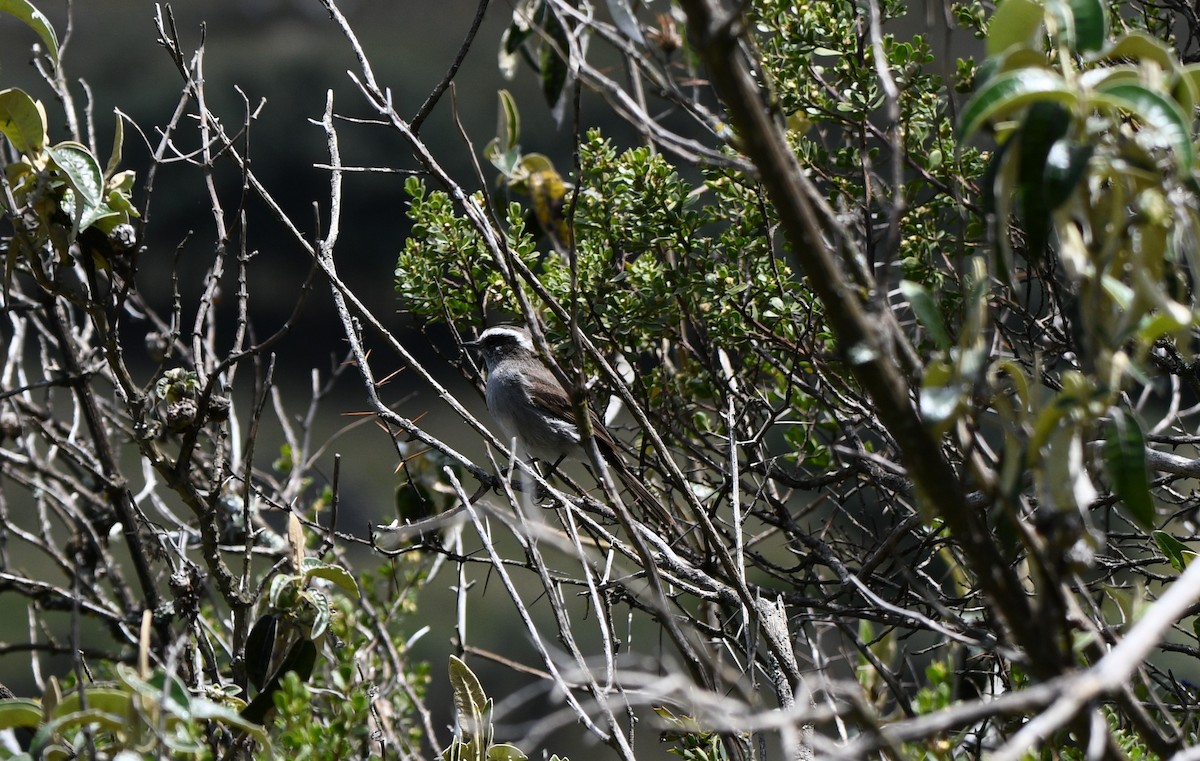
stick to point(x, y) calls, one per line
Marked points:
point(870, 350)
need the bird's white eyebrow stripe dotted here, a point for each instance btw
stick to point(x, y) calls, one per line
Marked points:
point(503, 330)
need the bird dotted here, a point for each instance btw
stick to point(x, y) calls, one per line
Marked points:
point(529, 404)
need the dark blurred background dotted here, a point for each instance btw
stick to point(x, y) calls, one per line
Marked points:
point(284, 55)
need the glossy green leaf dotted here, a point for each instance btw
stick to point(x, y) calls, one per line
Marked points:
point(22, 120)
point(505, 752)
point(111, 700)
point(469, 697)
point(1015, 23)
point(301, 659)
point(1010, 91)
point(1138, 46)
point(282, 584)
point(1046, 122)
point(81, 169)
point(1155, 112)
point(1178, 553)
point(508, 121)
point(36, 20)
point(1062, 473)
point(1065, 166)
point(114, 158)
point(20, 712)
point(259, 650)
point(1125, 456)
point(552, 57)
point(1085, 23)
point(322, 612)
point(927, 312)
point(311, 568)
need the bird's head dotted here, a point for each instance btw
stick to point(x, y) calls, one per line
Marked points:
point(503, 342)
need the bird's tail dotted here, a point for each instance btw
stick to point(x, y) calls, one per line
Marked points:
point(654, 510)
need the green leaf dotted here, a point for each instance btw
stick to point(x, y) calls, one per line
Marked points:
point(312, 568)
point(624, 19)
point(1125, 455)
point(1138, 46)
point(1045, 124)
point(469, 698)
point(1156, 112)
point(167, 690)
point(1084, 21)
point(207, 710)
point(1065, 166)
point(1157, 324)
point(1015, 23)
point(114, 158)
point(1010, 91)
point(82, 171)
point(22, 120)
point(552, 57)
point(505, 752)
point(260, 649)
point(508, 122)
point(282, 584)
point(322, 612)
point(1190, 76)
point(302, 658)
point(36, 20)
point(1178, 553)
point(927, 312)
point(20, 712)
point(111, 700)
point(515, 36)
point(106, 722)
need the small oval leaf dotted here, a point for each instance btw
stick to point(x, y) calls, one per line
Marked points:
point(1178, 553)
point(334, 573)
point(22, 120)
point(927, 312)
point(1014, 24)
point(1125, 455)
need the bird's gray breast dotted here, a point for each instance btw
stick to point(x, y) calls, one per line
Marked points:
point(543, 435)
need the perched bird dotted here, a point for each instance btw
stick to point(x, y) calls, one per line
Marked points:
point(529, 404)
